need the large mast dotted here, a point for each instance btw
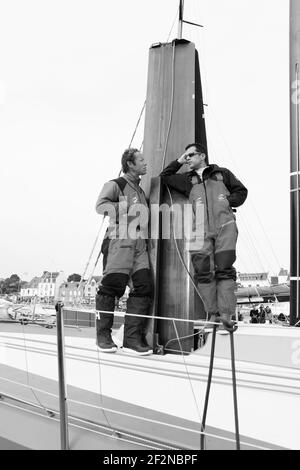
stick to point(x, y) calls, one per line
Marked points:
point(295, 160)
point(174, 118)
point(180, 22)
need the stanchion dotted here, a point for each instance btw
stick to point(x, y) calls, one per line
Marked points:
point(63, 408)
point(230, 327)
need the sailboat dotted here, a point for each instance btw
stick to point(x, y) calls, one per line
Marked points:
point(71, 396)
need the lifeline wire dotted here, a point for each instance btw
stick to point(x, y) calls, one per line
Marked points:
point(27, 374)
point(90, 257)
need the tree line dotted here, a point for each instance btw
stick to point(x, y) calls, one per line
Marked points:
point(13, 284)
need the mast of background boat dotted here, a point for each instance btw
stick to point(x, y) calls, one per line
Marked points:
point(180, 23)
point(295, 159)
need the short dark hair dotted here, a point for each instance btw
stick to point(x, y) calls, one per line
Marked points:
point(128, 156)
point(200, 148)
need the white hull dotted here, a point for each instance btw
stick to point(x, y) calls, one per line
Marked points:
point(169, 387)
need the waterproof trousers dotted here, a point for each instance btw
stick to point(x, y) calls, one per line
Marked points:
point(214, 273)
point(125, 261)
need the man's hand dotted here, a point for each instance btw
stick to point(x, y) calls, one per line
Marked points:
point(182, 160)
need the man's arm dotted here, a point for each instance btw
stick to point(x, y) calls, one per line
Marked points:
point(178, 182)
point(171, 169)
point(238, 192)
point(108, 202)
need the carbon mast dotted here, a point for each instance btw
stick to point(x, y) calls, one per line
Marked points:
point(174, 118)
point(295, 161)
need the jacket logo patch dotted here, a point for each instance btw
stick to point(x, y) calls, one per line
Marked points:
point(222, 197)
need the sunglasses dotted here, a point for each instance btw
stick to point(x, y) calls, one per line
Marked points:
point(190, 155)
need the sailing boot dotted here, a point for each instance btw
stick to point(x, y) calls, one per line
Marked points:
point(226, 301)
point(134, 335)
point(208, 292)
point(104, 323)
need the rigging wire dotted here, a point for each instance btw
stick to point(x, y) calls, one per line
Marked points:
point(163, 166)
point(100, 389)
point(137, 125)
point(183, 262)
point(244, 264)
point(27, 375)
point(252, 244)
point(172, 106)
point(213, 115)
point(91, 254)
point(247, 238)
point(181, 337)
point(186, 369)
point(176, 16)
point(94, 268)
point(249, 199)
point(201, 51)
point(135, 131)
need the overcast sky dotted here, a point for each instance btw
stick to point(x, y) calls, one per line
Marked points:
point(73, 78)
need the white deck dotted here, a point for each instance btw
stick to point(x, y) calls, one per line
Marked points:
point(169, 387)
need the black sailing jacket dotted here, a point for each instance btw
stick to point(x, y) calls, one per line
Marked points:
point(219, 191)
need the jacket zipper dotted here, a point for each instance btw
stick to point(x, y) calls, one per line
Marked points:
point(206, 202)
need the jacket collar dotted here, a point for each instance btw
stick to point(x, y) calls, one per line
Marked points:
point(132, 179)
point(207, 171)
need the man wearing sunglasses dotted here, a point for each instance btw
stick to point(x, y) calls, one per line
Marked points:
point(216, 191)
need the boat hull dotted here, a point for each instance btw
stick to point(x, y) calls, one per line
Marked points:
point(160, 398)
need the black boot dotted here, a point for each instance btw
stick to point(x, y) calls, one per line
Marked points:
point(134, 335)
point(144, 334)
point(104, 323)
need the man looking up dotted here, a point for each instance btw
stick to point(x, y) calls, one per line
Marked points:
point(218, 191)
